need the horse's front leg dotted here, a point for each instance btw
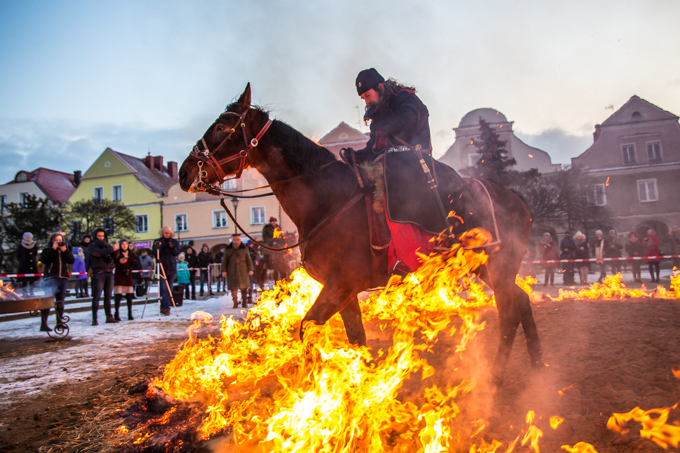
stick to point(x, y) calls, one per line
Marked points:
point(338, 295)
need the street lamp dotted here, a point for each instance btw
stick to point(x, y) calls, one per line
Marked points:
point(234, 202)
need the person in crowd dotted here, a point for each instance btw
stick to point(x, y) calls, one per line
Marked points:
point(56, 258)
point(26, 255)
point(268, 233)
point(674, 239)
point(255, 258)
point(599, 245)
point(85, 242)
point(123, 282)
point(613, 250)
point(634, 249)
point(582, 253)
point(166, 249)
point(220, 280)
point(652, 253)
point(568, 252)
point(81, 270)
point(237, 268)
point(183, 274)
point(147, 266)
point(102, 264)
point(191, 258)
point(549, 252)
point(204, 260)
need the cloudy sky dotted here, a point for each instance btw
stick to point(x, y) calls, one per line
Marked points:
point(78, 76)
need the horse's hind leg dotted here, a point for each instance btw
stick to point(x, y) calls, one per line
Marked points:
point(351, 317)
point(529, 327)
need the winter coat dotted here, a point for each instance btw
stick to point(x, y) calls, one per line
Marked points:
point(635, 249)
point(27, 258)
point(84, 245)
point(183, 277)
point(238, 264)
point(674, 239)
point(146, 264)
point(612, 248)
point(55, 262)
point(123, 275)
point(191, 259)
point(204, 259)
point(168, 250)
point(567, 251)
point(101, 256)
point(651, 246)
point(582, 253)
point(548, 250)
point(599, 246)
point(79, 266)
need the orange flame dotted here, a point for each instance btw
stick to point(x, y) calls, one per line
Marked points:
point(555, 421)
point(581, 447)
point(653, 422)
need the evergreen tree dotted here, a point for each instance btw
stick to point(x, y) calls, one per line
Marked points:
point(493, 161)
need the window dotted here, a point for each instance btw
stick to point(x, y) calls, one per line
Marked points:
point(23, 198)
point(141, 223)
point(220, 219)
point(473, 158)
point(257, 215)
point(628, 154)
point(647, 190)
point(596, 195)
point(3, 202)
point(117, 194)
point(654, 151)
point(98, 193)
point(109, 225)
point(229, 185)
point(182, 222)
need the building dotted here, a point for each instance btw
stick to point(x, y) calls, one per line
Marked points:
point(343, 136)
point(635, 164)
point(54, 185)
point(463, 153)
point(198, 218)
point(140, 184)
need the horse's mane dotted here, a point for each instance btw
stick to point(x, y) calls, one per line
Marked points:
point(303, 155)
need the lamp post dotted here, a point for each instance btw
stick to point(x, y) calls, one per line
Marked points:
point(234, 202)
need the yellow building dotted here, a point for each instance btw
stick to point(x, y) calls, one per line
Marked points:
point(140, 184)
point(200, 218)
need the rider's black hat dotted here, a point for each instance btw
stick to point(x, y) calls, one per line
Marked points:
point(367, 79)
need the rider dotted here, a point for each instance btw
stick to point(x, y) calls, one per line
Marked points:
point(400, 135)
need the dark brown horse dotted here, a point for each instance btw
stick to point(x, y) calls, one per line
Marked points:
point(312, 186)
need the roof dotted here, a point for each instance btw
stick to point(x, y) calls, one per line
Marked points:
point(490, 116)
point(638, 110)
point(156, 181)
point(57, 185)
point(343, 132)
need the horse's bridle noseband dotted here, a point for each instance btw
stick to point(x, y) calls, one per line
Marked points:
point(207, 156)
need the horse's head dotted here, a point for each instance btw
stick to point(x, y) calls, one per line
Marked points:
point(224, 150)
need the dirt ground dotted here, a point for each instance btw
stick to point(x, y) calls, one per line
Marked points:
point(605, 357)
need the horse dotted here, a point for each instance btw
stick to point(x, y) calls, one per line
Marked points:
point(312, 187)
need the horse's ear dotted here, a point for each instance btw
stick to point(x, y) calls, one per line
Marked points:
point(244, 100)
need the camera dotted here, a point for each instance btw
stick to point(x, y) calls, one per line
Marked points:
point(61, 243)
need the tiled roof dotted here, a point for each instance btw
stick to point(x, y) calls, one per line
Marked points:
point(637, 110)
point(156, 181)
point(57, 185)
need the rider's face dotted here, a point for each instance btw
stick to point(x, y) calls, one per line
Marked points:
point(371, 97)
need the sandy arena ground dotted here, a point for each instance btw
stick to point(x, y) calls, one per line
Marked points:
point(607, 356)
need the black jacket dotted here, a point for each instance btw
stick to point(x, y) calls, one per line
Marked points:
point(204, 258)
point(168, 250)
point(56, 262)
point(27, 258)
point(192, 259)
point(100, 256)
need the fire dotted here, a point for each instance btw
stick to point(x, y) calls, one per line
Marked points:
point(555, 421)
point(278, 233)
point(7, 292)
point(654, 425)
point(581, 447)
point(607, 182)
point(279, 394)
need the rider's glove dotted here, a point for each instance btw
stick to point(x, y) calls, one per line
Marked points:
point(346, 154)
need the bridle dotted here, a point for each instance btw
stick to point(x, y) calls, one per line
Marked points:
point(205, 155)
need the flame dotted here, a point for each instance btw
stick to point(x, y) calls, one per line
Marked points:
point(531, 156)
point(676, 373)
point(278, 233)
point(7, 292)
point(653, 422)
point(581, 447)
point(555, 421)
point(123, 429)
point(607, 182)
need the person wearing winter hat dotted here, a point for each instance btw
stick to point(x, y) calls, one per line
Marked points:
point(205, 258)
point(599, 247)
point(26, 255)
point(55, 258)
point(80, 268)
point(102, 265)
point(123, 283)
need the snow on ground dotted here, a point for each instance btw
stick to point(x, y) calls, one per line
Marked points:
point(96, 347)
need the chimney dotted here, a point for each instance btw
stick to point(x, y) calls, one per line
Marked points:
point(172, 170)
point(159, 163)
point(149, 161)
point(77, 177)
point(598, 131)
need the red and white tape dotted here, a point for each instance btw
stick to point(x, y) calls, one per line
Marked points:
point(585, 260)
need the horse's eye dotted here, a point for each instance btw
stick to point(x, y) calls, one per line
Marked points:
point(220, 127)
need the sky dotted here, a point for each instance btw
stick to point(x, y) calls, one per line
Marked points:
point(79, 76)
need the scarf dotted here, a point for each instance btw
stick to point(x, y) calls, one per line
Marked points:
point(28, 245)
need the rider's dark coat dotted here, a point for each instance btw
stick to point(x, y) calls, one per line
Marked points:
point(409, 198)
